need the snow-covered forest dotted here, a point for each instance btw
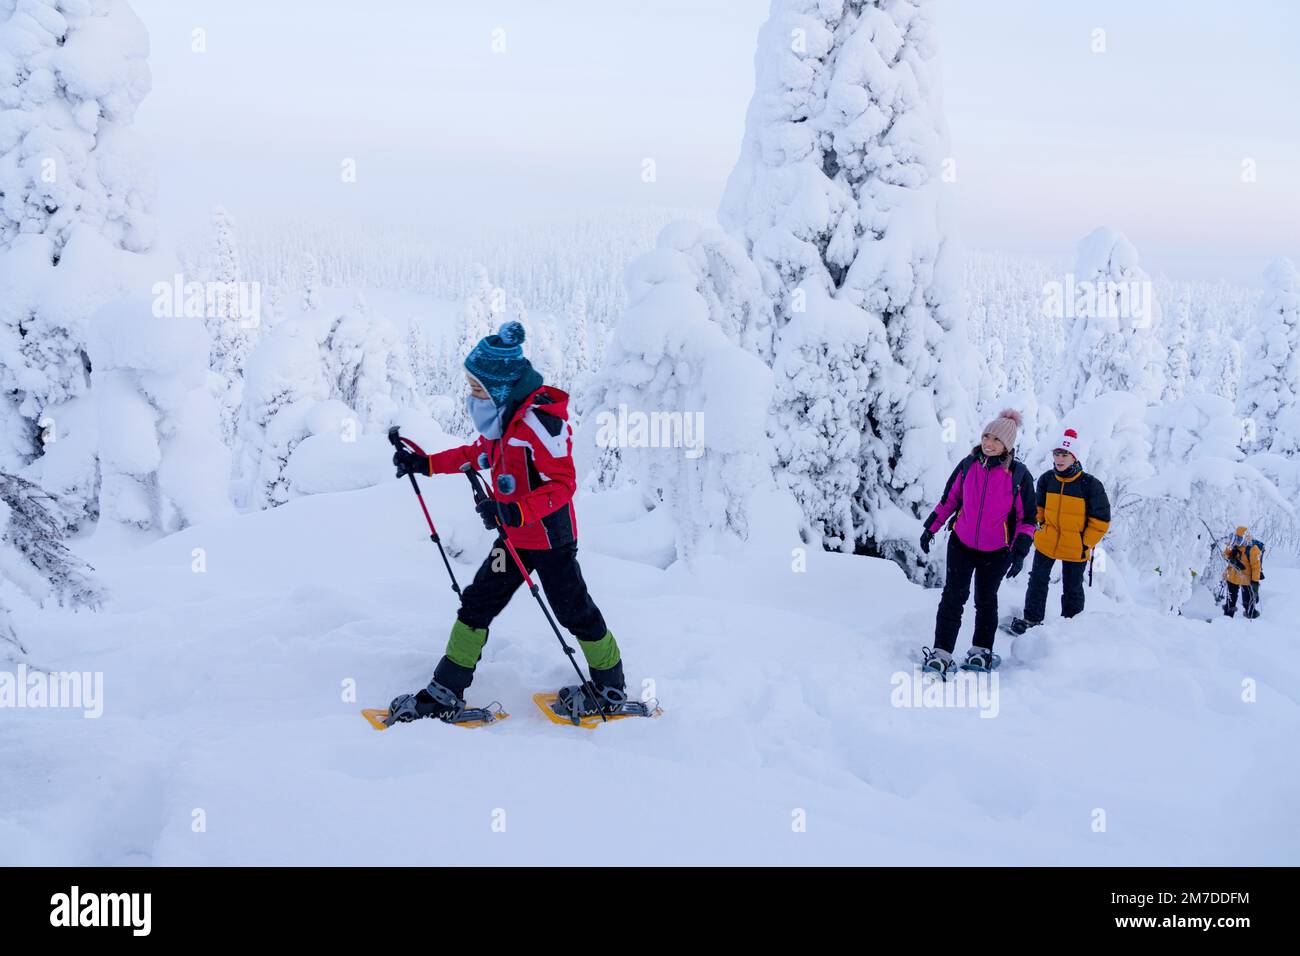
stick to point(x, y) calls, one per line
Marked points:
point(197, 498)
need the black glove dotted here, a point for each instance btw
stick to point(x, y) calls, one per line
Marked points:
point(507, 512)
point(409, 463)
point(926, 537)
point(1237, 563)
point(1017, 565)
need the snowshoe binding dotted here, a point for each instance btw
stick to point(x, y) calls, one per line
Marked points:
point(575, 705)
point(1019, 625)
point(935, 665)
point(981, 660)
point(441, 703)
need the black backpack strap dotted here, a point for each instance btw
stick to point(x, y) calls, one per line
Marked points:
point(1022, 481)
point(957, 477)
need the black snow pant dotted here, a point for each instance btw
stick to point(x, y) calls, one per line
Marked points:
point(988, 567)
point(1071, 587)
point(1249, 594)
point(496, 582)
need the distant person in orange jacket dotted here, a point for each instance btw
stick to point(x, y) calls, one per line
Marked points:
point(1242, 573)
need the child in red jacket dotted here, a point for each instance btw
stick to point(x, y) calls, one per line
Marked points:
point(526, 440)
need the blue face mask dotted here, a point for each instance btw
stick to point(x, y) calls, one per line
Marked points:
point(485, 415)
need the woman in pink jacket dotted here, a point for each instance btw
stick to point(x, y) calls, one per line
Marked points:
point(991, 499)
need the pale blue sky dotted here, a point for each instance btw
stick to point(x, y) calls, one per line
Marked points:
point(1050, 139)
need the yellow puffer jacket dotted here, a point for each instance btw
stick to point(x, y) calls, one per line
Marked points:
point(1073, 514)
point(1247, 554)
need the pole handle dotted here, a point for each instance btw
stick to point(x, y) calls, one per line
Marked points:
point(476, 483)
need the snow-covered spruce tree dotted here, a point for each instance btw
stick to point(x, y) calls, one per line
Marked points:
point(164, 465)
point(1204, 355)
point(1229, 360)
point(993, 384)
point(1178, 334)
point(366, 367)
point(1112, 341)
point(692, 400)
point(577, 349)
point(423, 360)
point(74, 200)
point(34, 557)
point(542, 345)
point(310, 283)
point(231, 332)
point(283, 382)
point(838, 198)
point(1270, 392)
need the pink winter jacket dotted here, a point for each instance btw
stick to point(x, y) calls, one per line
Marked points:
point(996, 507)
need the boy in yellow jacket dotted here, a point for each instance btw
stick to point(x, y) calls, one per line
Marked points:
point(1073, 515)
point(1242, 573)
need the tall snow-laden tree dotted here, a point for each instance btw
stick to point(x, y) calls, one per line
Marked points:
point(577, 350)
point(1112, 344)
point(1270, 393)
point(683, 401)
point(282, 383)
point(1228, 360)
point(838, 198)
point(1178, 334)
point(310, 283)
point(367, 368)
point(995, 381)
point(231, 331)
point(164, 464)
point(1112, 341)
point(423, 359)
point(74, 214)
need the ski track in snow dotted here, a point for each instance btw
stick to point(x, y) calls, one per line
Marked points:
point(223, 693)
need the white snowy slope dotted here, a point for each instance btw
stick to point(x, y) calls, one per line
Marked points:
point(223, 693)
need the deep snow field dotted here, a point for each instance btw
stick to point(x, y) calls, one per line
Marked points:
point(224, 692)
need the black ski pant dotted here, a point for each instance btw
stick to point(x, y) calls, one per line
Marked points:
point(496, 582)
point(987, 567)
point(1248, 597)
point(1071, 587)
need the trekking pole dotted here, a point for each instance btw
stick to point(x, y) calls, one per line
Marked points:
point(400, 443)
point(481, 495)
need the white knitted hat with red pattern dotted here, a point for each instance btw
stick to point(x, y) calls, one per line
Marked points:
point(1070, 442)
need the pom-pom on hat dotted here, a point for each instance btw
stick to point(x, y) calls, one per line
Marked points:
point(1005, 427)
point(498, 362)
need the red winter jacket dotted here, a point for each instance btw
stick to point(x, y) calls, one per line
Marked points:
point(532, 466)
